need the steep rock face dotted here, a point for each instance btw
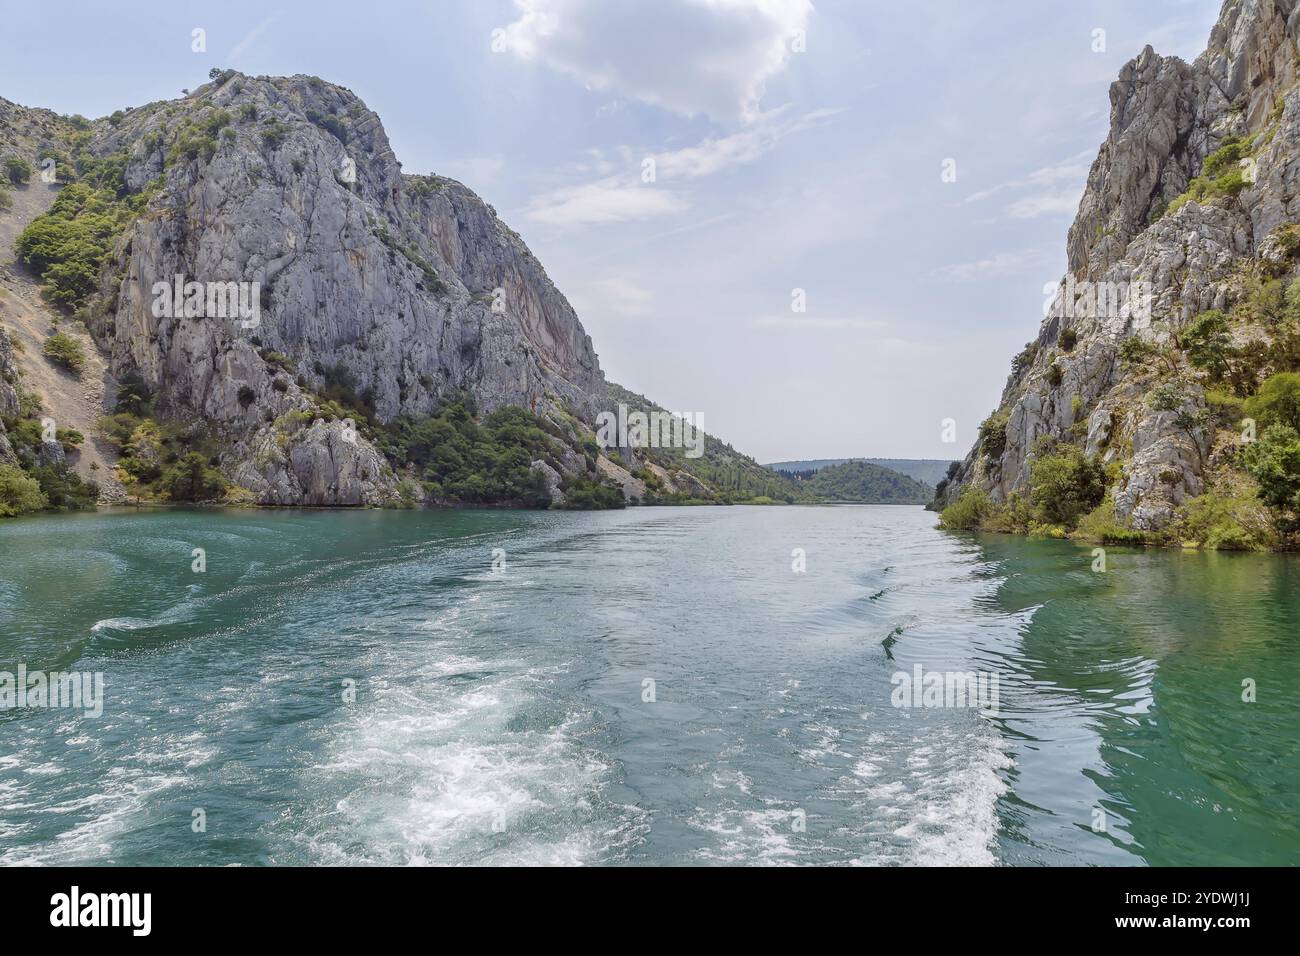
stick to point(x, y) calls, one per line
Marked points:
point(8, 378)
point(1152, 115)
point(8, 395)
point(408, 288)
point(1167, 117)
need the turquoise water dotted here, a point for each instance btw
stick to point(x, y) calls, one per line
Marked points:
point(503, 716)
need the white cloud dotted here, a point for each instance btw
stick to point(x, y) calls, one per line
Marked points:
point(693, 57)
point(1056, 190)
point(793, 322)
point(237, 52)
point(607, 201)
point(998, 266)
point(739, 149)
point(691, 227)
point(1044, 204)
point(617, 295)
point(475, 171)
point(624, 196)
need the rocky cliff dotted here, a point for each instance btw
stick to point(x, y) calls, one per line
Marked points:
point(285, 191)
point(1188, 210)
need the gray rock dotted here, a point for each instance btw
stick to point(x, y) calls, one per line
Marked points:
point(686, 482)
point(633, 487)
point(8, 378)
point(323, 464)
point(552, 479)
point(51, 453)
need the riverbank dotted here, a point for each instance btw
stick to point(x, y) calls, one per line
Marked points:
point(1209, 522)
point(145, 504)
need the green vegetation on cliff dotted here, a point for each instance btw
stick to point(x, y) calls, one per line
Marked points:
point(163, 460)
point(461, 460)
point(1227, 385)
point(1221, 176)
point(19, 494)
point(42, 479)
point(66, 351)
point(69, 244)
point(67, 247)
point(1066, 494)
point(16, 170)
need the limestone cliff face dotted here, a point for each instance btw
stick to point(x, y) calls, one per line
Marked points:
point(410, 286)
point(8, 395)
point(1166, 118)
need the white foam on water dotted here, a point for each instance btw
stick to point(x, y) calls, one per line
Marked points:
point(45, 770)
point(452, 761)
point(175, 615)
point(122, 796)
point(958, 826)
point(940, 807)
point(865, 770)
point(121, 624)
point(89, 804)
point(763, 837)
point(827, 745)
point(444, 621)
point(727, 778)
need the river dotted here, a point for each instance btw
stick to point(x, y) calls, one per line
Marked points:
point(650, 686)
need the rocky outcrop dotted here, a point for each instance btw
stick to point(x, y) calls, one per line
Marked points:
point(633, 487)
point(326, 463)
point(688, 484)
point(551, 478)
point(678, 482)
point(280, 271)
point(8, 377)
point(1152, 115)
point(1070, 385)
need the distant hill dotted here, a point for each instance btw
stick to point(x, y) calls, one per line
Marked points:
point(730, 476)
point(863, 482)
point(929, 471)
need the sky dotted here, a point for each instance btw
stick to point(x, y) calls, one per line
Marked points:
point(824, 226)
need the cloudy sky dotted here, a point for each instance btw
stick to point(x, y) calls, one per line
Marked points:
point(683, 167)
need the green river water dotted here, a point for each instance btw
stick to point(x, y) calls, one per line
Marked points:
point(652, 686)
